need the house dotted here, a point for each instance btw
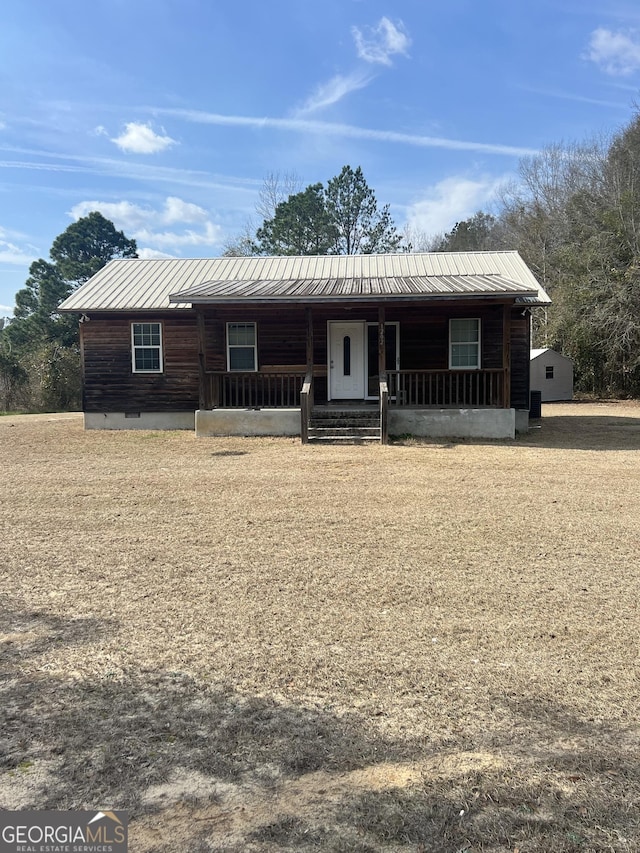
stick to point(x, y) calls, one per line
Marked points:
point(551, 374)
point(430, 344)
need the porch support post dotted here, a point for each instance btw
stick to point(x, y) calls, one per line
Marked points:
point(202, 359)
point(308, 313)
point(82, 367)
point(382, 378)
point(306, 393)
point(382, 361)
point(506, 355)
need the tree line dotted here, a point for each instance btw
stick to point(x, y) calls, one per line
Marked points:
point(341, 218)
point(39, 347)
point(574, 216)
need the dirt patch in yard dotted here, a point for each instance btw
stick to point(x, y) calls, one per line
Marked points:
point(253, 645)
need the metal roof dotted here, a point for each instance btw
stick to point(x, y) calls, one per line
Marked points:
point(536, 353)
point(153, 284)
point(360, 289)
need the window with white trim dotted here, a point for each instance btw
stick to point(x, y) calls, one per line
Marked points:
point(464, 344)
point(242, 352)
point(146, 347)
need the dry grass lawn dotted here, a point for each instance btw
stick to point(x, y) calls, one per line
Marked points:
point(253, 645)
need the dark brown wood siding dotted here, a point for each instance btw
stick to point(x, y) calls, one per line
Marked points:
point(110, 385)
point(281, 334)
point(520, 358)
point(424, 333)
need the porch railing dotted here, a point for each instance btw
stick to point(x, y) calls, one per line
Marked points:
point(442, 388)
point(253, 390)
point(292, 389)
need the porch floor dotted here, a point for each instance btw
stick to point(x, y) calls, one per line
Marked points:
point(369, 405)
point(352, 405)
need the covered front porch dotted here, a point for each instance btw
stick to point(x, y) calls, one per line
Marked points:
point(353, 367)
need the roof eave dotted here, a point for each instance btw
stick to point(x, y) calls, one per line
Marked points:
point(146, 309)
point(375, 297)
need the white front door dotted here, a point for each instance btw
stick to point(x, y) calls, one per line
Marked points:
point(346, 361)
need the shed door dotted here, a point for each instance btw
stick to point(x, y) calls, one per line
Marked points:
point(346, 361)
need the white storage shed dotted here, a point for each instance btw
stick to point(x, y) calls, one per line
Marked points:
point(552, 374)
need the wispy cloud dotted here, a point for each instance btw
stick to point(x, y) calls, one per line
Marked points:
point(212, 235)
point(378, 44)
point(300, 125)
point(581, 99)
point(41, 167)
point(12, 253)
point(334, 90)
point(153, 254)
point(177, 210)
point(125, 169)
point(141, 138)
point(449, 201)
point(615, 53)
point(374, 45)
point(145, 224)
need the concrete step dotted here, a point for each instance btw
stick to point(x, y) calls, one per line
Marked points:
point(344, 439)
point(344, 426)
point(347, 433)
point(345, 413)
point(344, 435)
point(345, 422)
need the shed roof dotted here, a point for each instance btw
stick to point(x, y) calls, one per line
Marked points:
point(536, 353)
point(153, 284)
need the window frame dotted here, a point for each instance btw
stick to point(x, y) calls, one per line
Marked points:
point(548, 371)
point(159, 346)
point(372, 324)
point(477, 344)
point(230, 346)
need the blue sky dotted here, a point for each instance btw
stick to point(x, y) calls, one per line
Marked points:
point(167, 115)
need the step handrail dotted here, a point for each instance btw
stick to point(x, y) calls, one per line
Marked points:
point(384, 409)
point(306, 404)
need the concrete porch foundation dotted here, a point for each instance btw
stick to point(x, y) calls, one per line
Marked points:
point(211, 422)
point(431, 423)
point(139, 420)
point(453, 423)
